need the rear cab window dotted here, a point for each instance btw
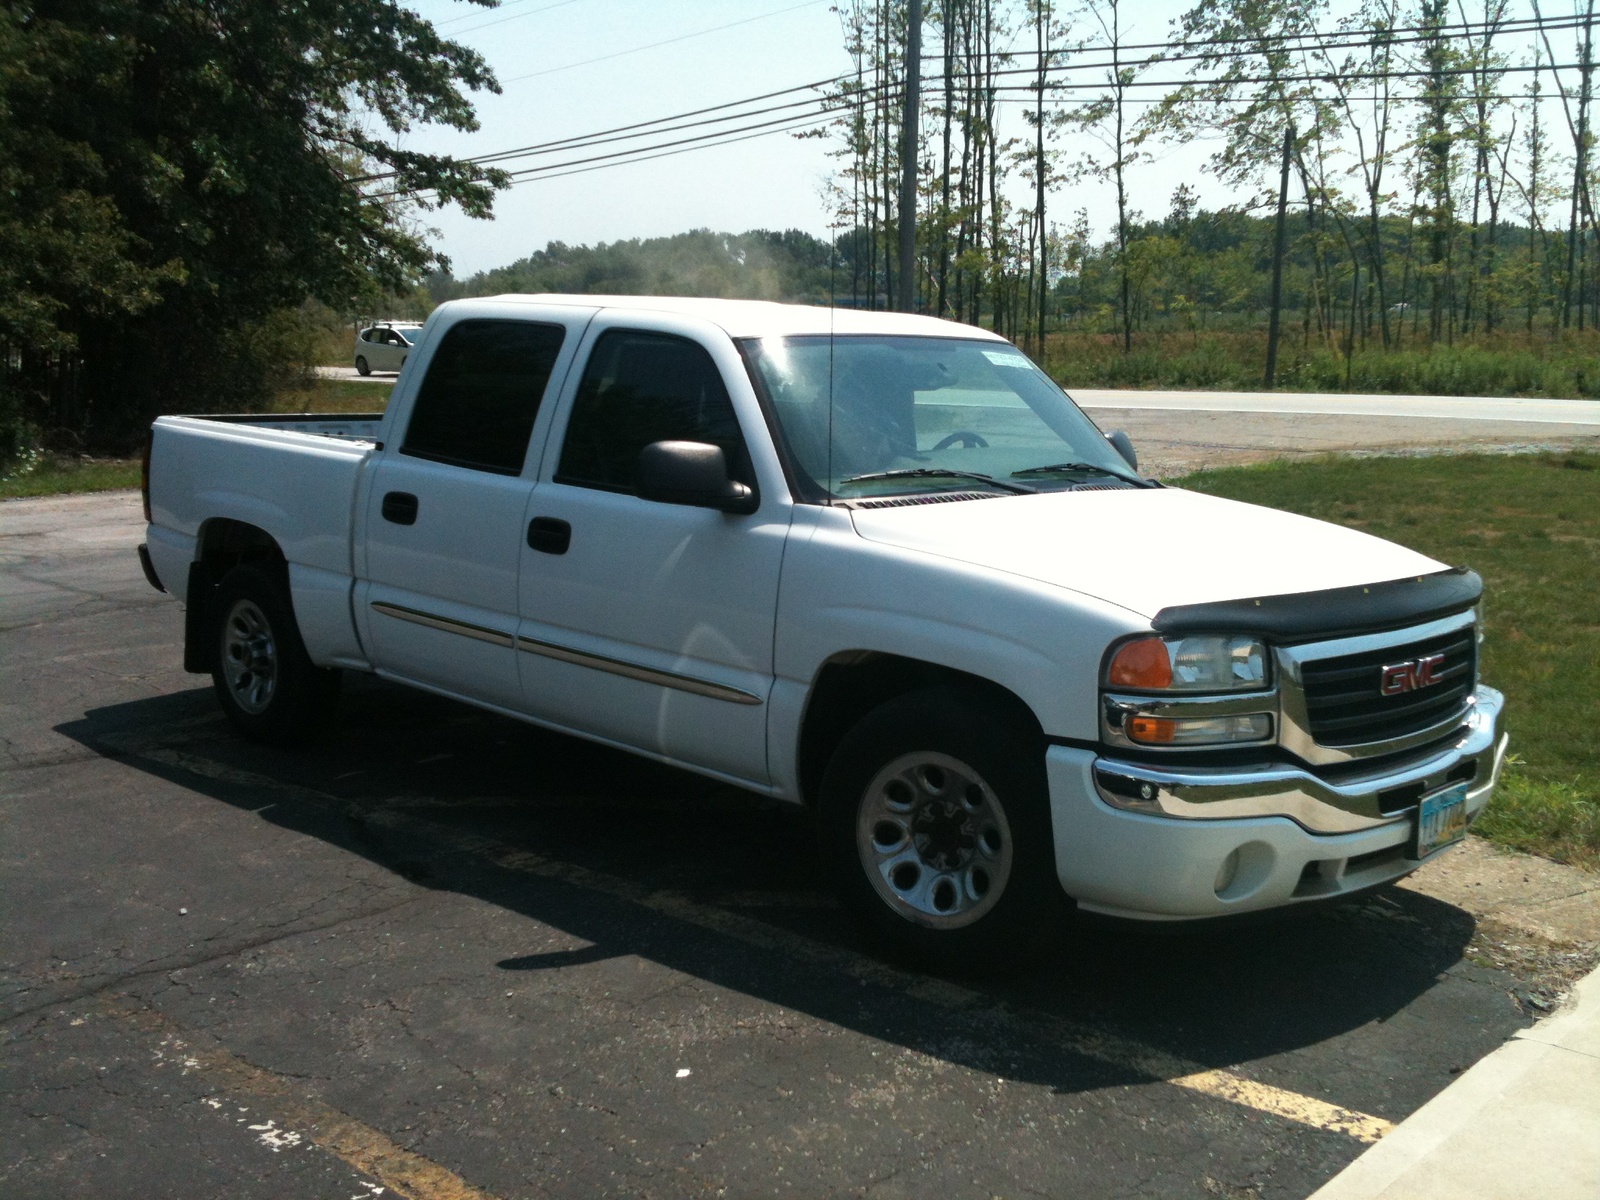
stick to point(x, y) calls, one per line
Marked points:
point(478, 402)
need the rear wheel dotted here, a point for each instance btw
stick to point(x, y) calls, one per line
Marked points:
point(268, 687)
point(935, 827)
point(362, 366)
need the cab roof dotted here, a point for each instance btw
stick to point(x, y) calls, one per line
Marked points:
point(765, 318)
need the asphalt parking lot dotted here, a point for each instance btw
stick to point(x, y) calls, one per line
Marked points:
point(441, 954)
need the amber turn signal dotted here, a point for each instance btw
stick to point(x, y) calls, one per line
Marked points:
point(1153, 731)
point(1143, 664)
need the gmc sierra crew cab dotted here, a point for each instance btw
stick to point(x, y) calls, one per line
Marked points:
point(875, 564)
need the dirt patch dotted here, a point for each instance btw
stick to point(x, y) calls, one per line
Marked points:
point(1537, 920)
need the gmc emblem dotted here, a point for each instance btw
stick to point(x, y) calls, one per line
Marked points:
point(1409, 676)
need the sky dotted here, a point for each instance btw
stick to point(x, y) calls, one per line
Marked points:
point(575, 67)
point(774, 182)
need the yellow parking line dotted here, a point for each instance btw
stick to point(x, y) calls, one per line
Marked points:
point(406, 1174)
point(1292, 1106)
point(1087, 1041)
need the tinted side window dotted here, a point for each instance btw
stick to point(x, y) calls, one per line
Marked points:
point(482, 391)
point(640, 388)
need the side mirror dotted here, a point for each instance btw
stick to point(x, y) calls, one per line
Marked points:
point(693, 473)
point(1124, 447)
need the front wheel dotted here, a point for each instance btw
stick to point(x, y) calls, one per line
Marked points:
point(268, 687)
point(935, 827)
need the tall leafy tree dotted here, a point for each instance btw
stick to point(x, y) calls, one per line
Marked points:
point(177, 172)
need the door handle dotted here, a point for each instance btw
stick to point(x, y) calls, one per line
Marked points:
point(548, 535)
point(400, 507)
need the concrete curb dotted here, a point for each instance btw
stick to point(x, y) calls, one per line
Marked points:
point(1523, 1124)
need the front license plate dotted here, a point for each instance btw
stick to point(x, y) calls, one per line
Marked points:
point(1441, 819)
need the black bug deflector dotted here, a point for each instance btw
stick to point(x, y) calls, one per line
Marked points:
point(1332, 613)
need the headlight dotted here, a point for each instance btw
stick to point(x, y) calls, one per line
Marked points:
point(1200, 663)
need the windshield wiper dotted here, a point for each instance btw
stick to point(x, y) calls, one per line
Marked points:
point(1063, 468)
point(941, 473)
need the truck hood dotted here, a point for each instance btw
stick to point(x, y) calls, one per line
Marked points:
point(1146, 549)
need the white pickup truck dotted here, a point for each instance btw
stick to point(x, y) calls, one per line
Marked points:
point(875, 564)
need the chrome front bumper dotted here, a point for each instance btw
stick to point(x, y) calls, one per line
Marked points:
point(1177, 843)
point(1355, 801)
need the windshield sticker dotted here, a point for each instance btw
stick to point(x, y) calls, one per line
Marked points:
point(1008, 358)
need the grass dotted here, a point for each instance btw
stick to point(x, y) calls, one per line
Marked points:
point(53, 475)
point(1531, 527)
point(336, 396)
point(1511, 364)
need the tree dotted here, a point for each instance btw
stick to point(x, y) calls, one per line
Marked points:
point(179, 172)
point(1439, 65)
point(1106, 117)
point(1253, 88)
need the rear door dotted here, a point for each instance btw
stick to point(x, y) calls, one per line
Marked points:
point(444, 521)
point(651, 624)
point(389, 352)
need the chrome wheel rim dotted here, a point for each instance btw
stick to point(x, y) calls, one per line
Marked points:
point(249, 657)
point(934, 840)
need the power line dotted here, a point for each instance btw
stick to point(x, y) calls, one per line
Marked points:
point(552, 171)
point(1371, 35)
point(823, 109)
point(965, 75)
point(667, 42)
point(700, 141)
point(501, 20)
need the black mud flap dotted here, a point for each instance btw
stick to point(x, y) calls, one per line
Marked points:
point(149, 568)
point(197, 623)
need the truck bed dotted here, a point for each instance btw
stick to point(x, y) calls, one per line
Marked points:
point(294, 476)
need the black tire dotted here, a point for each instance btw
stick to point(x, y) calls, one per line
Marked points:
point(362, 366)
point(957, 873)
point(268, 687)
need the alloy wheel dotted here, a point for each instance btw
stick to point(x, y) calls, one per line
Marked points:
point(934, 840)
point(249, 657)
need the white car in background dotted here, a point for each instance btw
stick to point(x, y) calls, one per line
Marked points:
point(384, 346)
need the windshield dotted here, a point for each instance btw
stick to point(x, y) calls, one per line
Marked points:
point(917, 414)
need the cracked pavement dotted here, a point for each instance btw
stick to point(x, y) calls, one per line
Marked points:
point(443, 954)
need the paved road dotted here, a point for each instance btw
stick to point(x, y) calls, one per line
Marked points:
point(1583, 414)
point(384, 377)
point(448, 955)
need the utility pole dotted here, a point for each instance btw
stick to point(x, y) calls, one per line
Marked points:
point(908, 160)
point(1277, 260)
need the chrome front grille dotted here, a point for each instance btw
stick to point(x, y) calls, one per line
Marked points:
point(1345, 705)
point(1333, 705)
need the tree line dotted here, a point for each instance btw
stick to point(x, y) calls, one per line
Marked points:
point(1432, 161)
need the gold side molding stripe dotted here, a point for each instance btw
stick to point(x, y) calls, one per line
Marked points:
point(465, 629)
point(612, 666)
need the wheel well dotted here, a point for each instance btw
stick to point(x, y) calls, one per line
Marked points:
point(222, 545)
point(852, 684)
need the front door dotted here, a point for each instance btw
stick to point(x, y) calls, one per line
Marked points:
point(444, 522)
point(650, 624)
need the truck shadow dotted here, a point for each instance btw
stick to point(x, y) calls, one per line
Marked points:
point(588, 840)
